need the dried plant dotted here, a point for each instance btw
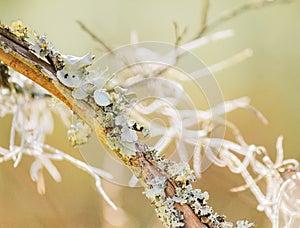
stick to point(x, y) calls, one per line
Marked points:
point(117, 97)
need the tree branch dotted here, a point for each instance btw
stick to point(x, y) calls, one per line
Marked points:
point(15, 53)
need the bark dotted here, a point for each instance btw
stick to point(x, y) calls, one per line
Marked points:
point(15, 53)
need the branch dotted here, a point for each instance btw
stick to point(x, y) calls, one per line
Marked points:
point(229, 14)
point(15, 52)
point(95, 37)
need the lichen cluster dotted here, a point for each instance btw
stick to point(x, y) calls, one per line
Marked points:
point(40, 44)
point(79, 133)
point(17, 28)
point(112, 104)
point(121, 135)
point(182, 177)
point(42, 47)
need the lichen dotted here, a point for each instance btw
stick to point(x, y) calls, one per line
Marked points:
point(112, 116)
point(18, 29)
point(79, 133)
point(4, 47)
point(145, 132)
point(102, 98)
point(121, 135)
point(156, 188)
point(167, 213)
point(164, 205)
point(42, 47)
point(74, 71)
point(183, 177)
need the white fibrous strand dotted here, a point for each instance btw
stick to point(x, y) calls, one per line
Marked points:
point(124, 123)
point(31, 107)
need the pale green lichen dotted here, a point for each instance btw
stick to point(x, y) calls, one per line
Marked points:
point(74, 70)
point(18, 29)
point(128, 135)
point(121, 137)
point(156, 188)
point(79, 133)
point(182, 176)
point(102, 98)
point(164, 206)
point(112, 117)
point(145, 132)
point(167, 213)
point(42, 47)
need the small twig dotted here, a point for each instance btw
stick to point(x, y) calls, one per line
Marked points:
point(95, 37)
point(216, 36)
point(204, 14)
point(178, 35)
point(229, 14)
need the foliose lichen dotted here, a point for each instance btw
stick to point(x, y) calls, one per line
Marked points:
point(79, 133)
point(182, 176)
point(74, 71)
point(121, 136)
point(164, 205)
point(18, 29)
point(42, 47)
point(113, 103)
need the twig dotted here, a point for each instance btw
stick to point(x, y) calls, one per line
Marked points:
point(16, 56)
point(204, 14)
point(229, 14)
point(95, 37)
point(178, 36)
point(26, 63)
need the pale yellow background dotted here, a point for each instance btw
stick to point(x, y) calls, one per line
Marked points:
point(270, 78)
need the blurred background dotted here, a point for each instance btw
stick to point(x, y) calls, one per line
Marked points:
point(270, 78)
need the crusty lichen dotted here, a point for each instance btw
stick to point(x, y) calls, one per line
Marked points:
point(17, 28)
point(42, 47)
point(183, 177)
point(164, 205)
point(79, 133)
point(121, 136)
